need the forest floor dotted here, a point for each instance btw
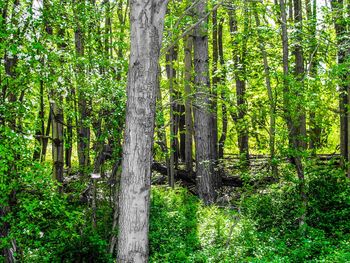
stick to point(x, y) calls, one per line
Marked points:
point(256, 222)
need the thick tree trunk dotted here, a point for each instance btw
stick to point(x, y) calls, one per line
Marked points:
point(188, 104)
point(202, 110)
point(146, 22)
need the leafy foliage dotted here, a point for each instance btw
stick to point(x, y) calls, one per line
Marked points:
point(266, 229)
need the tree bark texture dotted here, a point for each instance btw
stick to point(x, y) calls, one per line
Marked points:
point(202, 110)
point(188, 104)
point(299, 72)
point(344, 89)
point(83, 129)
point(146, 29)
point(222, 140)
point(242, 108)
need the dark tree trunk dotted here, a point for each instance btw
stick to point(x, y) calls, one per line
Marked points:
point(188, 104)
point(300, 118)
point(40, 133)
point(214, 94)
point(344, 88)
point(202, 110)
point(174, 149)
point(242, 108)
point(315, 129)
point(222, 80)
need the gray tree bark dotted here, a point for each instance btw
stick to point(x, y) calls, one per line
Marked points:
point(202, 110)
point(146, 29)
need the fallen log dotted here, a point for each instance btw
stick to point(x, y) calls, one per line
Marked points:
point(187, 179)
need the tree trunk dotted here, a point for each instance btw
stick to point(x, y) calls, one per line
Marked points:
point(272, 104)
point(202, 110)
point(340, 29)
point(83, 130)
point(57, 140)
point(222, 139)
point(174, 149)
point(290, 112)
point(188, 104)
point(239, 61)
point(146, 22)
point(161, 133)
point(41, 129)
point(315, 125)
point(56, 112)
point(46, 138)
point(214, 94)
point(299, 72)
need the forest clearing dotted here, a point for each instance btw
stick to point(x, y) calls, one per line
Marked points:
point(174, 131)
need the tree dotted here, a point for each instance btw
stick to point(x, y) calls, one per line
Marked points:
point(202, 109)
point(188, 103)
point(239, 56)
point(83, 129)
point(344, 87)
point(146, 28)
point(291, 111)
point(270, 93)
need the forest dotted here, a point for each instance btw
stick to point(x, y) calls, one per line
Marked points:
point(174, 131)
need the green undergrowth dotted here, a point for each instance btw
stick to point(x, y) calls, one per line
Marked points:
point(255, 225)
point(260, 226)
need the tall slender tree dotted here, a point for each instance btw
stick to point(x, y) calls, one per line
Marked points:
point(203, 120)
point(270, 93)
point(239, 56)
point(344, 88)
point(83, 129)
point(291, 114)
point(188, 103)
